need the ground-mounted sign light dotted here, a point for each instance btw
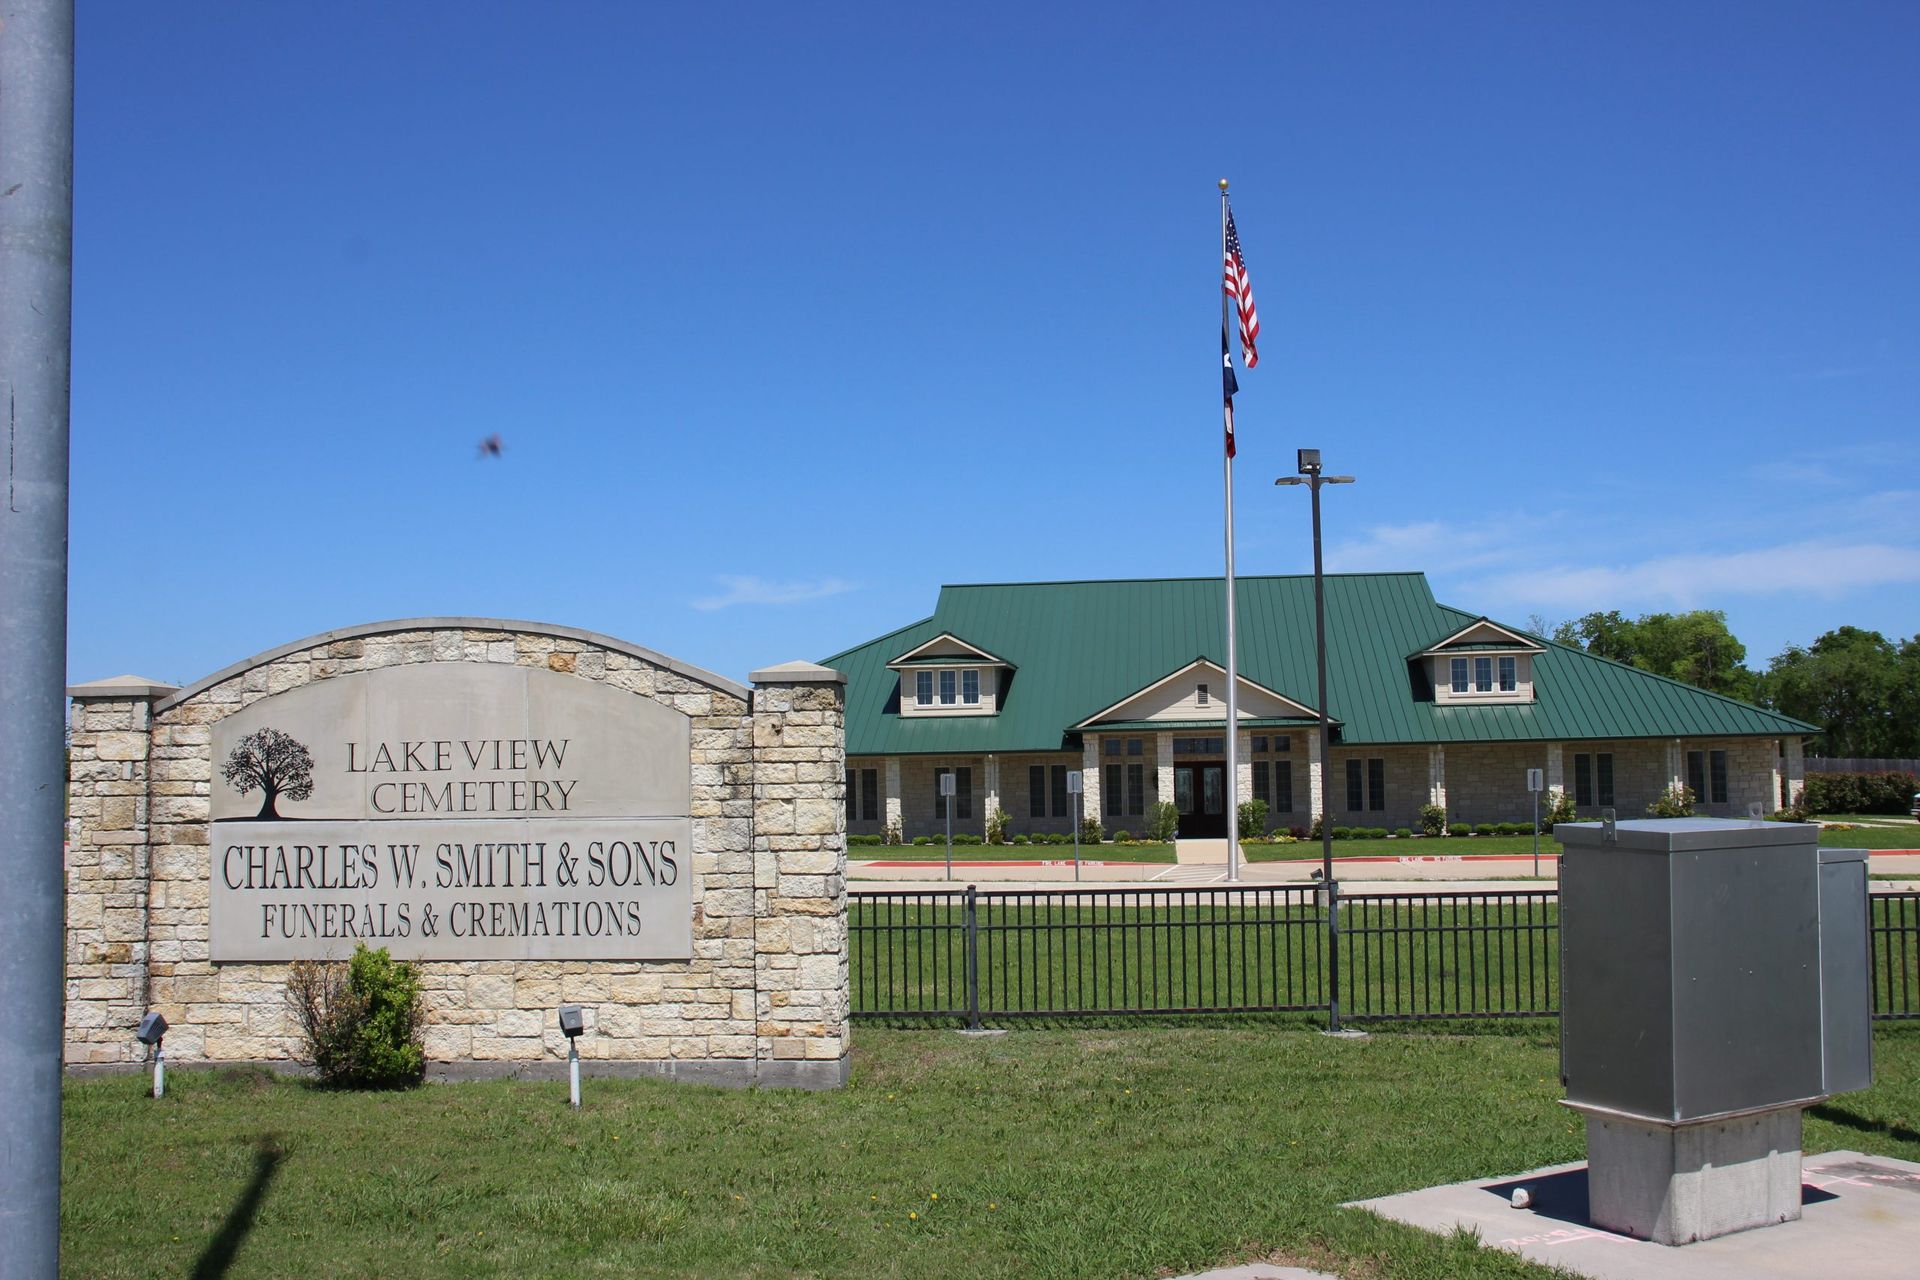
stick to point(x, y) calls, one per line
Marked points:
point(1075, 789)
point(153, 1029)
point(946, 802)
point(571, 1025)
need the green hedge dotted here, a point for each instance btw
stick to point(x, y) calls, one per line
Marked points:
point(1860, 792)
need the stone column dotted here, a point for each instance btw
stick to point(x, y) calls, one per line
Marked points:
point(801, 993)
point(992, 804)
point(1796, 770)
point(1556, 772)
point(1773, 778)
point(1163, 767)
point(1676, 763)
point(1243, 771)
point(1437, 775)
point(1090, 775)
point(1315, 801)
point(109, 859)
point(895, 811)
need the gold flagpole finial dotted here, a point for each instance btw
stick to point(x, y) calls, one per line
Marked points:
point(1223, 184)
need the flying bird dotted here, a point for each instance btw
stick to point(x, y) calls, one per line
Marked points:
point(491, 447)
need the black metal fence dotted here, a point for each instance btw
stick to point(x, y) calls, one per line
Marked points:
point(971, 957)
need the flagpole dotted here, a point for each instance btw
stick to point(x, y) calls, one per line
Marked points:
point(1233, 672)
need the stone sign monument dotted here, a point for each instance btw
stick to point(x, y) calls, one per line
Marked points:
point(537, 815)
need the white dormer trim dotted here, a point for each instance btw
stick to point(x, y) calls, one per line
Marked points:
point(1257, 702)
point(1484, 631)
point(951, 646)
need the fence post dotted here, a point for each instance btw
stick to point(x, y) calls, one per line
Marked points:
point(1333, 954)
point(973, 961)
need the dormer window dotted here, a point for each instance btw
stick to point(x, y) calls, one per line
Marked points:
point(1483, 675)
point(1496, 667)
point(946, 688)
point(1458, 683)
point(1509, 674)
point(970, 687)
point(947, 676)
point(1201, 697)
point(923, 688)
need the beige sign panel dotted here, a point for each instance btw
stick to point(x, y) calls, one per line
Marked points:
point(452, 811)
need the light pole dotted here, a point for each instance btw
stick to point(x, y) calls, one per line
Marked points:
point(1313, 477)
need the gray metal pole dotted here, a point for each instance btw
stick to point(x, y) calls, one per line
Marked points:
point(1233, 668)
point(1326, 770)
point(36, 305)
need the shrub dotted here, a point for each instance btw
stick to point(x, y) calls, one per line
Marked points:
point(1315, 831)
point(923, 841)
point(1091, 832)
point(1859, 792)
point(863, 840)
point(1299, 833)
point(1060, 837)
point(359, 1020)
point(1166, 821)
point(892, 836)
point(997, 826)
point(1252, 819)
point(1343, 833)
point(966, 837)
point(1675, 802)
point(1560, 810)
point(1021, 839)
point(1123, 836)
point(1433, 820)
point(1459, 829)
point(1377, 833)
point(1792, 813)
point(1405, 833)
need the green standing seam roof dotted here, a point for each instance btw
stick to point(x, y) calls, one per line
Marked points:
point(1080, 647)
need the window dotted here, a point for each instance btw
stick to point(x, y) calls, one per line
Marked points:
point(1376, 784)
point(850, 795)
point(1115, 746)
point(1135, 746)
point(1200, 696)
point(923, 688)
point(1283, 743)
point(1603, 774)
point(1697, 774)
point(970, 688)
point(1111, 801)
point(869, 795)
point(1356, 787)
point(962, 793)
point(1717, 775)
point(1136, 790)
point(946, 688)
point(1509, 674)
point(1283, 786)
point(1483, 675)
point(1259, 744)
point(1583, 780)
point(1199, 746)
point(1036, 791)
point(1061, 806)
point(1457, 667)
point(1262, 791)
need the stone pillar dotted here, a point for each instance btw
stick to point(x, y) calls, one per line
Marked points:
point(1796, 770)
point(1437, 775)
point(801, 993)
point(896, 813)
point(1315, 801)
point(1556, 772)
point(1243, 771)
point(1774, 775)
point(1163, 767)
point(1090, 775)
point(1676, 764)
point(992, 804)
point(108, 873)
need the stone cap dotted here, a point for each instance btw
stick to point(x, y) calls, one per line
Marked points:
point(122, 687)
point(797, 673)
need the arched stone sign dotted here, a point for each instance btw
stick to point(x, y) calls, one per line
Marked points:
point(537, 815)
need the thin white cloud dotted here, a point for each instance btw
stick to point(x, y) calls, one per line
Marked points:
point(1824, 569)
point(746, 589)
point(1430, 544)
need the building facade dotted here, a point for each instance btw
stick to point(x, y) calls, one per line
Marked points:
point(1011, 688)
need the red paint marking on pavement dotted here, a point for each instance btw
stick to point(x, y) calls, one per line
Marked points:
point(1065, 862)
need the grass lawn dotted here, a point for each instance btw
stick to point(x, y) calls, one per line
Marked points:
point(1907, 837)
point(1041, 1153)
point(1425, 847)
point(1145, 851)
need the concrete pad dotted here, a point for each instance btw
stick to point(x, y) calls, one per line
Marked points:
point(1259, 1271)
point(1860, 1218)
point(1212, 853)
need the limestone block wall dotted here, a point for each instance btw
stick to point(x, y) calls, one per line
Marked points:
point(1487, 782)
point(765, 989)
point(1406, 791)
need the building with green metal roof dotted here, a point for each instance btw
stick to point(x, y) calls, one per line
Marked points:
point(1013, 686)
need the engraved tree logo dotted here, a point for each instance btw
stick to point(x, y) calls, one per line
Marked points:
point(276, 763)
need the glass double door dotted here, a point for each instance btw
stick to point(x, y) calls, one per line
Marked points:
point(1200, 794)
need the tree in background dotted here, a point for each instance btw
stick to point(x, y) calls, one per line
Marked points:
point(1695, 648)
point(1863, 689)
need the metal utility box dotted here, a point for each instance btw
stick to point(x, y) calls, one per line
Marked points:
point(1846, 969)
point(1691, 967)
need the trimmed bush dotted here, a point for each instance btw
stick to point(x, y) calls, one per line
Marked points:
point(923, 841)
point(997, 827)
point(1405, 833)
point(1561, 810)
point(1021, 839)
point(1252, 819)
point(1166, 821)
point(863, 840)
point(966, 837)
point(1675, 802)
point(1091, 832)
point(359, 1020)
point(1859, 792)
point(1433, 820)
point(1459, 829)
point(1343, 833)
point(1298, 833)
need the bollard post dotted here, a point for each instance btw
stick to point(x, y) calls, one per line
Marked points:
point(1333, 955)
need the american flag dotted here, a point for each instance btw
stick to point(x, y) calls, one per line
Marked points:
point(1229, 385)
point(1237, 284)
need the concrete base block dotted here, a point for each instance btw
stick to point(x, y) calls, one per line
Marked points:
point(1674, 1184)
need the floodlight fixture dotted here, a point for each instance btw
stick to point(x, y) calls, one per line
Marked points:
point(152, 1030)
point(571, 1025)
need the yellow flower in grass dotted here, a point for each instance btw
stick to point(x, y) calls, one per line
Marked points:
point(913, 1217)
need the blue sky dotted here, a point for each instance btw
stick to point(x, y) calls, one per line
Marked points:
point(788, 314)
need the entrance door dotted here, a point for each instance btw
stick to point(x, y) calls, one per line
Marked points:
point(1200, 794)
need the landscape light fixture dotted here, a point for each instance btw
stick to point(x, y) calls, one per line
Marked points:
point(571, 1025)
point(1312, 475)
point(153, 1029)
